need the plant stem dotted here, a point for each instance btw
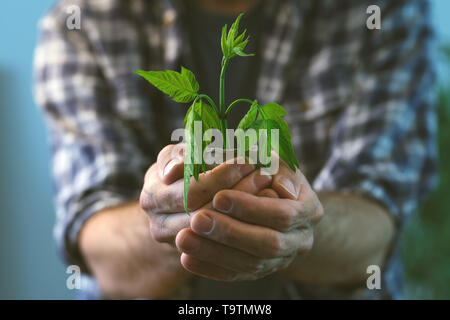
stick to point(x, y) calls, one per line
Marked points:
point(211, 102)
point(235, 102)
point(223, 119)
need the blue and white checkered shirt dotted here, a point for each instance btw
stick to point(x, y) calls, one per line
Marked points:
point(359, 102)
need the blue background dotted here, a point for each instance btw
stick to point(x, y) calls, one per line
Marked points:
point(29, 267)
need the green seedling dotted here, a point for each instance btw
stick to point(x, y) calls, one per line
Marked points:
point(183, 87)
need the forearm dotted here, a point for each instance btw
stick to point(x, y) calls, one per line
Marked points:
point(124, 258)
point(353, 234)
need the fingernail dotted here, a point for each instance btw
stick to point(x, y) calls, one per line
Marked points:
point(223, 204)
point(245, 169)
point(262, 180)
point(169, 166)
point(203, 224)
point(188, 244)
point(287, 185)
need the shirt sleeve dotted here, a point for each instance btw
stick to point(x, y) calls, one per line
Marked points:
point(97, 161)
point(384, 143)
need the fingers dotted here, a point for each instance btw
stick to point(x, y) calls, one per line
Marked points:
point(160, 201)
point(220, 247)
point(163, 185)
point(165, 227)
point(259, 241)
point(162, 194)
point(280, 214)
point(170, 163)
point(220, 255)
point(268, 193)
point(159, 197)
point(208, 270)
point(254, 183)
point(224, 176)
point(286, 182)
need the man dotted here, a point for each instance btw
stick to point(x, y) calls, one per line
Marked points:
point(360, 110)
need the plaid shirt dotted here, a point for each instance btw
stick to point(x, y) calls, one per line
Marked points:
point(359, 101)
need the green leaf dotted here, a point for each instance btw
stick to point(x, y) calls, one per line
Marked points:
point(209, 118)
point(186, 118)
point(199, 111)
point(241, 44)
point(192, 82)
point(232, 44)
point(250, 117)
point(239, 39)
point(223, 41)
point(286, 152)
point(182, 87)
point(233, 31)
point(266, 126)
point(239, 52)
point(190, 168)
point(275, 112)
point(246, 122)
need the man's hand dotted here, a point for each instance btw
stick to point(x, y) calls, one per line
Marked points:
point(246, 237)
point(119, 246)
point(162, 194)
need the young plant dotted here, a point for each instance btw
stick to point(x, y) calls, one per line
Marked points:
point(183, 87)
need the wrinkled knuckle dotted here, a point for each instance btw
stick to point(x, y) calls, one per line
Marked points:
point(309, 200)
point(233, 175)
point(149, 175)
point(223, 180)
point(306, 246)
point(274, 246)
point(164, 153)
point(177, 197)
point(166, 150)
point(158, 233)
point(161, 154)
point(178, 150)
point(286, 218)
point(308, 207)
point(145, 201)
